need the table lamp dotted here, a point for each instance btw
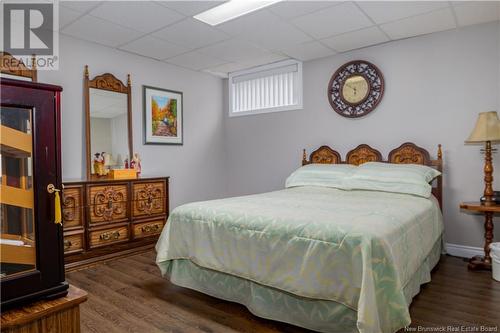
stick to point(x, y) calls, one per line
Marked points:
point(487, 130)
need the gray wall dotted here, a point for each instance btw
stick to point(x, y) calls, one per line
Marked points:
point(197, 167)
point(435, 87)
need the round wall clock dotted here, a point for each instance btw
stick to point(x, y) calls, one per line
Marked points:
point(355, 89)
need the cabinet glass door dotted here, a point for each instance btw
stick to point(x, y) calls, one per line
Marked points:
point(17, 239)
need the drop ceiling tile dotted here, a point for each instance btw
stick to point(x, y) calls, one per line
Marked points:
point(264, 59)
point(226, 68)
point(195, 60)
point(190, 8)
point(234, 50)
point(219, 74)
point(80, 6)
point(292, 9)
point(387, 11)
point(308, 51)
point(67, 16)
point(154, 48)
point(229, 67)
point(356, 39)
point(265, 29)
point(100, 31)
point(439, 20)
point(144, 16)
point(474, 12)
point(191, 33)
point(333, 21)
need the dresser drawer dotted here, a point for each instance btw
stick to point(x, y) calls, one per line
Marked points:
point(147, 229)
point(149, 198)
point(107, 203)
point(108, 236)
point(72, 207)
point(73, 243)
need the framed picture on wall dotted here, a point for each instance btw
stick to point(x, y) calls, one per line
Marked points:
point(162, 116)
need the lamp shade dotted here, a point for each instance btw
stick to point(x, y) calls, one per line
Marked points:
point(487, 128)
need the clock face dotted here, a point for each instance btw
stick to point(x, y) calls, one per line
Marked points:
point(356, 89)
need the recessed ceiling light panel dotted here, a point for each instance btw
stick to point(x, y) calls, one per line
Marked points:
point(231, 10)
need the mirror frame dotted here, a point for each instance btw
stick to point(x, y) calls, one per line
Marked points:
point(109, 82)
point(12, 66)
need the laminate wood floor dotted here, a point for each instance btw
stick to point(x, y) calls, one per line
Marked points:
point(129, 295)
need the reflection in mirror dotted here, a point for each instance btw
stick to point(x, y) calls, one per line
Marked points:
point(108, 128)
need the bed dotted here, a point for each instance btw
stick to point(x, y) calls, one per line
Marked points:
point(322, 258)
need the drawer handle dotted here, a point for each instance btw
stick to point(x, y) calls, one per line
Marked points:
point(109, 236)
point(67, 244)
point(150, 228)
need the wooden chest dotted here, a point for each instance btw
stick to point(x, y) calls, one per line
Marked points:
point(107, 218)
point(58, 315)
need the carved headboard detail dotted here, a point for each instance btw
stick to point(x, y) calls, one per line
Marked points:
point(323, 155)
point(407, 153)
point(362, 154)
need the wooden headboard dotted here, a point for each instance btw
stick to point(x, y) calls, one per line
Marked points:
point(407, 153)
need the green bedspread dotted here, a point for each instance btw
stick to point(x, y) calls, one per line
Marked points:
point(356, 248)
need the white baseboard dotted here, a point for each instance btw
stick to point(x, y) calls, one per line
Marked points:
point(463, 251)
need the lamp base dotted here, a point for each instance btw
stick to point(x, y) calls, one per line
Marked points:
point(488, 175)
point(478, 263)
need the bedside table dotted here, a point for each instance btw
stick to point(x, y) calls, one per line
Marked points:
point(482, 262)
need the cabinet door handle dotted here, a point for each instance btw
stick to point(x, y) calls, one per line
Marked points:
point(67, 244)
point(57, 203)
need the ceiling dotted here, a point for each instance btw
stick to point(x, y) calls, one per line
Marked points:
point(304, 30)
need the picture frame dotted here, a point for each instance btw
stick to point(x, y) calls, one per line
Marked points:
point(163, 116)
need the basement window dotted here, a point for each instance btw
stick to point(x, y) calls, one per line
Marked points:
point(269, 88)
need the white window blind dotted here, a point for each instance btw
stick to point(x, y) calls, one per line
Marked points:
point(269, 88)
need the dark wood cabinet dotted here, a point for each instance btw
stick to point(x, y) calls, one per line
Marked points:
point(32, 253)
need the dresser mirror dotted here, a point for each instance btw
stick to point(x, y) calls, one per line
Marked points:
point(108, 124)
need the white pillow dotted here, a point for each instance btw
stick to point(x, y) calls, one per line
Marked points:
point(389, 177)
point(326, 175)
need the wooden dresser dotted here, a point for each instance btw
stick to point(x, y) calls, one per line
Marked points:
point(106, 218)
